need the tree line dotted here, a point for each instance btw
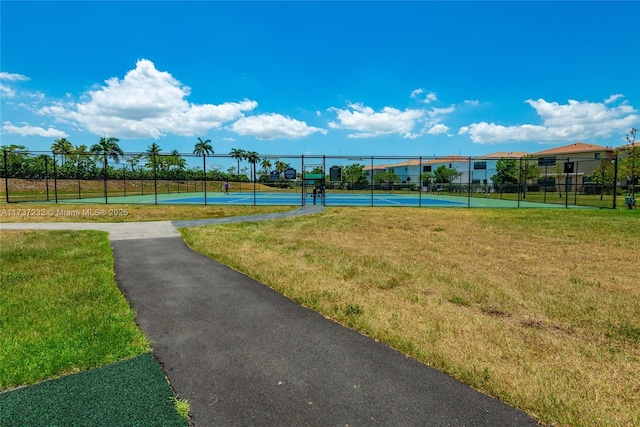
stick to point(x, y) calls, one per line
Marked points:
point(106, 160)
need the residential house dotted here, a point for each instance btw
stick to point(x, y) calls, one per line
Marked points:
point(571, 166)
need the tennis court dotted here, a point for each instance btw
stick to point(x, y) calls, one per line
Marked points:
point(328, 200)
point(262, 198)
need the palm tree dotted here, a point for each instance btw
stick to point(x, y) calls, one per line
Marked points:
point(281, 166)
point(153, 151)
point(62, 146)
point(80, 152)
point(133, 161)
point(108, 147)
point(252, 157)
point(177, 161)
point(203, 147)
point(237, 154)
point(266, 165)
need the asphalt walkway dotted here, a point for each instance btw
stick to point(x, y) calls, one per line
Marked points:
point(244, 355)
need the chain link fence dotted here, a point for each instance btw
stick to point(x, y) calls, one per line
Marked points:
point(31, 176)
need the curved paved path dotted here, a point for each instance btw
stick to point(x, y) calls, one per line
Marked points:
point(244, 355)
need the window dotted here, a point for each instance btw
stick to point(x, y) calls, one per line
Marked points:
point(426, 168)
point(547, 161)
point(597, 155)
point(479, 165)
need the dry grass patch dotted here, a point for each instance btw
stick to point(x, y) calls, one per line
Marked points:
point(47, 212)
point(540, 308)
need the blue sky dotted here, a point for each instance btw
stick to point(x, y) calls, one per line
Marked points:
point(335, 78)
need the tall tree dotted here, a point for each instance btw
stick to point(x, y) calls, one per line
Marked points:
point(445, 175)
point(108, 147)
point(354, 174)
point(133, 161)
point(281, 166)
point(177, 161)
point(507, 174)
point(237, 154)
point(630, 166)
point(152, 153)
point(558, 171)
point(427, 177)
point(15, 158)
point(530, 171)
point(252, 157)
point(266, 165)
point(603, 175)
point(62, 146)
point(203, 149)
point(81, 154)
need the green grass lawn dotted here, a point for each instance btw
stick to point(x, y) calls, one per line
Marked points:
point(60, 308)
point(61, 313)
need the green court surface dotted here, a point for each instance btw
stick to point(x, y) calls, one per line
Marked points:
point(132, 392)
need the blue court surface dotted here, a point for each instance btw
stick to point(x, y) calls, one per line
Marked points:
point(331, 199)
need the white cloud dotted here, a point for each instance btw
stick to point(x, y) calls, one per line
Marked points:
point(12, 77)
point(430, 98)
point(613, 98)
point(473, 102)
point(365, 122)
point(147, 103)
point(560, 122)
point(438, 129)
point(27, 130)
point(5, 90)
point(272, 126)
point(435, 112)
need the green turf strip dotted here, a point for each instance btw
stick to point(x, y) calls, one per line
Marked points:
point(132, 392)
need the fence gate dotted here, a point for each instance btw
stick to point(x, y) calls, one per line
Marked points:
point(313, 185)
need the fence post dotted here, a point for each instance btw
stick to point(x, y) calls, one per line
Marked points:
point(6, 174)
point(155, 179)
point(324, 180)
point(470, 181)
point(615, 180)
point(303, 189)
point(46, 175)
point(566, 187)
point(575, 188)
point(520, 180)
point(55, 177)
point(420, 182)
point(105, 178)
point(79, 176)
point(371, 181)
